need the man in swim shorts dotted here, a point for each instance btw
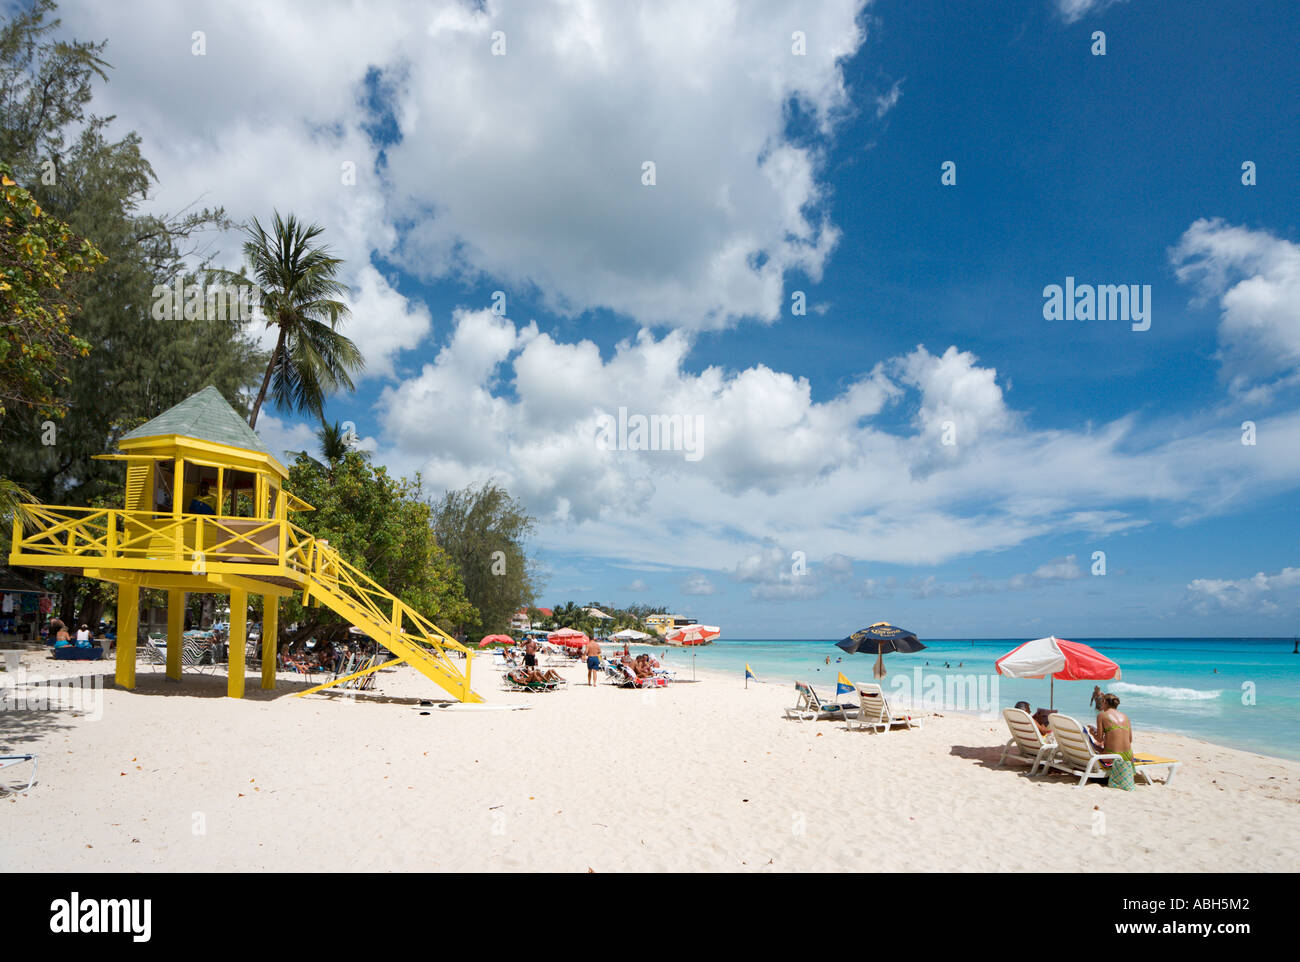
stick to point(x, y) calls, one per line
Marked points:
point(592, 652)
point(530, 654)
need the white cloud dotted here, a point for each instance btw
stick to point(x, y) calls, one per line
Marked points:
point(779, 468)
point(1075, 10)
point(698, 585)
point(889, 99)
point(1266, 593)
point(1256, 278)
point(526, 167)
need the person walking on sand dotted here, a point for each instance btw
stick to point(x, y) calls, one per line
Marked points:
point(593, 661)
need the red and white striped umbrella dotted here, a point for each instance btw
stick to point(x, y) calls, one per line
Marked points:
point(1066, 660)
point(692, 635)
point(568, 637)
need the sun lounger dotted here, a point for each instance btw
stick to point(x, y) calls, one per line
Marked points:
point(152, 653)
point(810, 707)
point(1029, 742)
point(877, 715)
point(1076, 756)
point(630, 679)
point(7, 761)
point(514, 684)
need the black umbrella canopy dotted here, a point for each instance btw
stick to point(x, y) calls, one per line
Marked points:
point(879, 638)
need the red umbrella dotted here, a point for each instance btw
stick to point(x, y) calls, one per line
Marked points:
point(496, 640)
point(693, 635)
point(1066, 660)
point(568, 637)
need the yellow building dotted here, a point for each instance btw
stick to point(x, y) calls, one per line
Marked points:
point(205, 511)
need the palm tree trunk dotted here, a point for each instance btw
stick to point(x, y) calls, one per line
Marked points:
point(266, 380)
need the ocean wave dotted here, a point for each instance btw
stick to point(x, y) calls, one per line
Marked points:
point(1158, 691)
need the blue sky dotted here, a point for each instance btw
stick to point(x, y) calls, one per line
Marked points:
point(824, 495)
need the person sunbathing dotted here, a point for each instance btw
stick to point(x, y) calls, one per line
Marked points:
point(1117, 739)
point(532, 676)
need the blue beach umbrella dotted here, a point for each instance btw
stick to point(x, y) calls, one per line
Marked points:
point(878, 639)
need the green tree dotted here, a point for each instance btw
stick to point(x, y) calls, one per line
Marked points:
point(298, 288)
point(382, 525)
point(137, 365)
point(37, 255)
point(484, 529)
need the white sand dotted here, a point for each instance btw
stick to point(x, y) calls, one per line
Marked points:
point(694, 777)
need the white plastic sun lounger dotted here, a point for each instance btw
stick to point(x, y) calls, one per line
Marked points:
point(877, 715)
point(7, 761)
point(810, 706)
point(1076, 756)
point(1029, 742)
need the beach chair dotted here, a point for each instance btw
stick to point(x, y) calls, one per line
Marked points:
point(196, 655)
point(1076, 756)
point(625, 677)
point(1030, 744)
point(877, 715)
point(810, 707)
point(7, 761)
point(153, 655)
point(513, 684)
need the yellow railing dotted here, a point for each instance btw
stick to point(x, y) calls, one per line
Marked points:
point(199, 543)
point(86, 536)
point(385, 615)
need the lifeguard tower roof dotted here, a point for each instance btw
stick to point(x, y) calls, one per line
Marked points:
point(205, 416)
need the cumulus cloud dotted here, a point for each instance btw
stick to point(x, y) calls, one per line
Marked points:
point(833, 476)
point(1256, 278)
point(1261, 593)
point(412, 142)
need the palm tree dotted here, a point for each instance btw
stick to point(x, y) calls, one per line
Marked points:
point(298, 291)
point(334, 443)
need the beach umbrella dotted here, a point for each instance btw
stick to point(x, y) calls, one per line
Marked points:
point(568, 637)
point(629, 634)
point(496, 640)
point(693, 635)
point(1058, 658)
point(879, 638)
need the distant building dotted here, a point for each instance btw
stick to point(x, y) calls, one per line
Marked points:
point(662, 624)
point(519, 621)
point(597, 613)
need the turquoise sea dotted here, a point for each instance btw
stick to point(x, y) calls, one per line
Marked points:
point(1168, 684)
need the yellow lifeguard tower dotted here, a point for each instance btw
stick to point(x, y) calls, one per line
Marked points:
point(206, 511)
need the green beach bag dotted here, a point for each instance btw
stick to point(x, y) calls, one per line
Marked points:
point(1123, 773)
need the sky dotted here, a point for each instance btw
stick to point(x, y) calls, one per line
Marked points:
point(818, 242)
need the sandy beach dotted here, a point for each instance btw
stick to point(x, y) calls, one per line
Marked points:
point(702, 776)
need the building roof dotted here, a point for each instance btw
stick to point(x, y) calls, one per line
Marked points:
point(206, 416)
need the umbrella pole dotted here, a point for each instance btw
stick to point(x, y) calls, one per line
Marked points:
point(1052, 695)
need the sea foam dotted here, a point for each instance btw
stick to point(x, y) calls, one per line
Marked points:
point(1158, 691)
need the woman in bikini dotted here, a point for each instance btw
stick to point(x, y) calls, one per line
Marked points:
point(1117, 739)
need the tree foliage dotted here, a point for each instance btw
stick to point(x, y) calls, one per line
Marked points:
point(298, 289)
point(137, 366)
point(380, 524)
point(38, 253)
point(484, 529)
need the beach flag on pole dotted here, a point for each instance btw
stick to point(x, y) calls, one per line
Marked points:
point(843, 686)
point(749, 674)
